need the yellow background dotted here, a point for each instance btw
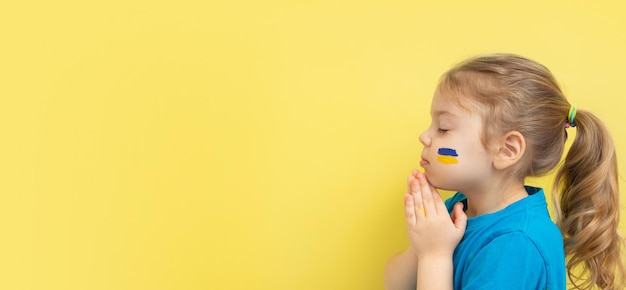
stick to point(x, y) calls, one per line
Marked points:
point(246, 144)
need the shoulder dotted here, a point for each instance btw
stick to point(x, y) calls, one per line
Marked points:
point(513, 244)
point(506, 260)
point(525, 235)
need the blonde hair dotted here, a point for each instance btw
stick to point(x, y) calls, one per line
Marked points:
point(517, 94)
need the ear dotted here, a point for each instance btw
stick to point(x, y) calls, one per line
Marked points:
point(510, 149)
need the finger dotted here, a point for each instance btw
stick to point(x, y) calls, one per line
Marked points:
point(440, 206)
point(427, 195)
point(438, 201)
point(409, 209)
point(409, 183)
point(433, 189)
point(417, 200)
point(415, 173)
point(459, 218)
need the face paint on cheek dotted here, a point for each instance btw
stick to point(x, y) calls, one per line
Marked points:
point(447, 156)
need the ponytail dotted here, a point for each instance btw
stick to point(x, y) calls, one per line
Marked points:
point(587, 208)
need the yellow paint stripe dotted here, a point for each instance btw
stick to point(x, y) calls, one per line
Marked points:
point(447, 159)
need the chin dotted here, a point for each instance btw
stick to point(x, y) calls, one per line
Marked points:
point(432, 180)
point(437, 182)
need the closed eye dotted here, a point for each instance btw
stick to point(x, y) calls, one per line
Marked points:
point(442, 130)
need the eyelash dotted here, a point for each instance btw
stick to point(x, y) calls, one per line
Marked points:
point(442, 130)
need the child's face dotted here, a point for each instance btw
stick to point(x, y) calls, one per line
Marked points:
point(454, 158)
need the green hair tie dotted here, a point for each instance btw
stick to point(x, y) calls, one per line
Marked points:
point(570, 117)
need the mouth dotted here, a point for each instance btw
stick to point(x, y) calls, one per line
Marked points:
point(424, 162)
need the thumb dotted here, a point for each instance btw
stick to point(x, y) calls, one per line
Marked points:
point(459, 218)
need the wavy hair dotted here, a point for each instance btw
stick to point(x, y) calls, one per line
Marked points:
point(518, 94)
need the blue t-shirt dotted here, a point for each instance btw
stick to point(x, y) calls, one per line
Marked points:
point(518, 247)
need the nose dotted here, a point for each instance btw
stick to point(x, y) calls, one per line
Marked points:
point(424, 138)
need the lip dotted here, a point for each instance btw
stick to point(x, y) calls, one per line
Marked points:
point(424, 162)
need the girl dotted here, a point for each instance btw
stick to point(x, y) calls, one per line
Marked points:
point(497, 119)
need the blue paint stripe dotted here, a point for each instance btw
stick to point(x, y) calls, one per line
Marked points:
point(447, 152)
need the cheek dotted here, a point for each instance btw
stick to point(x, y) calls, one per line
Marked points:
point(445, 165)
point(450, 176)
point(447, 156)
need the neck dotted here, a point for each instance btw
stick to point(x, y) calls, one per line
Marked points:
point(494, 198)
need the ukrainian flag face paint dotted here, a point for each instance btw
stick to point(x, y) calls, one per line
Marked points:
point(447, 156)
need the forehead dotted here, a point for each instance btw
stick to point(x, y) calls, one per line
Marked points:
point(443, 104)
point(465, 114)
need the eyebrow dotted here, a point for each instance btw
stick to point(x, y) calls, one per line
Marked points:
point(442, 112)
